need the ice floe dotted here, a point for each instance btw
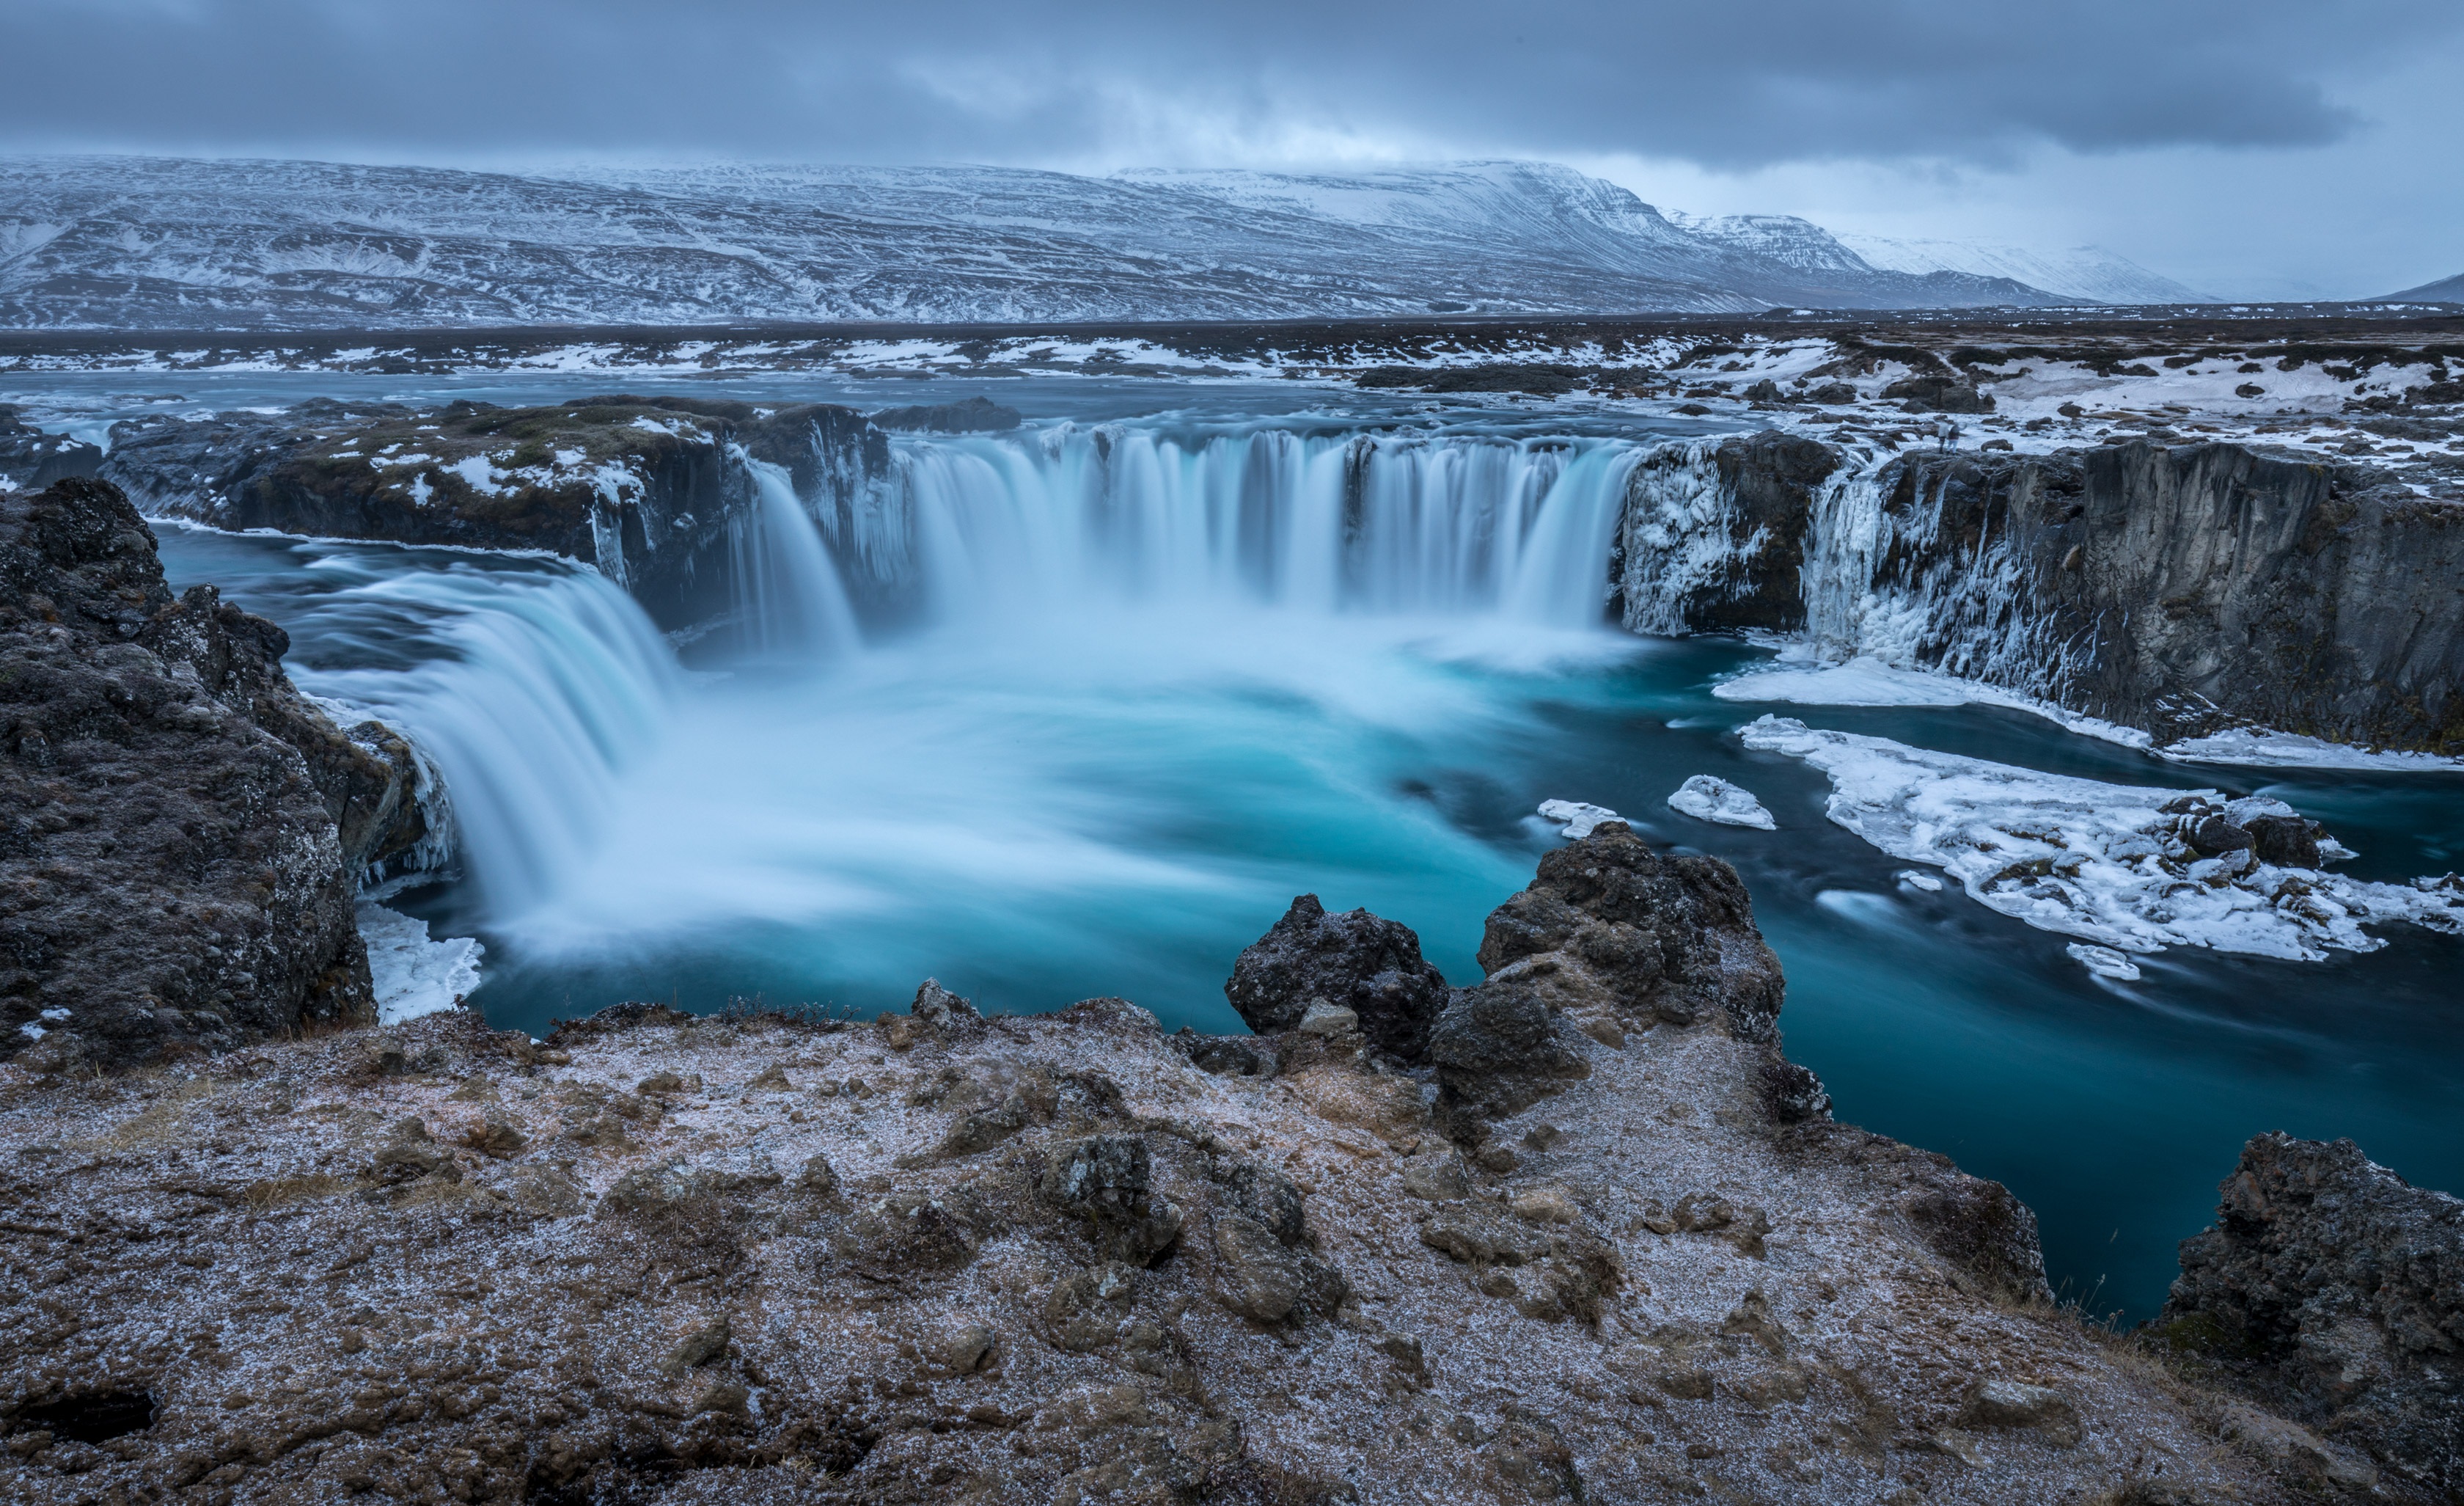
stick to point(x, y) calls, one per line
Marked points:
point(413, 974)
point(2104, 962)
point(1577, 818)
point(2257, 747)
point(1871, 682)
point(1707, 797)
point(2128, 867)
point(1867, 681)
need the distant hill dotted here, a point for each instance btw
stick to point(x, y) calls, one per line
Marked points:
point(2445, 290)
point(123, 242)
point(2084, 272)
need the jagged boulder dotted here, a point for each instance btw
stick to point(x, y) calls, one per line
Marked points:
point(1354, 960)
point(1668, 937)
point(187, 833)
point(2336, 1290)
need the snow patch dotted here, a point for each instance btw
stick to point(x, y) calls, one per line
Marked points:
point(2107, 863)
point(1707, 797)
point(414, 975)
point(1866, 682)
point(1577, 818)
point(2258, 748)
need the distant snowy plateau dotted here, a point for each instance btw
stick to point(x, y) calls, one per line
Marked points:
point(148, 243)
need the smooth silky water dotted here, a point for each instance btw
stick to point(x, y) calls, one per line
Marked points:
point(1112, 744)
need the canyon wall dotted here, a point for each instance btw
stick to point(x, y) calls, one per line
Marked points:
point(2179, 590)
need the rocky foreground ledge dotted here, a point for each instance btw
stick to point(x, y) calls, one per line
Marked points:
point(181, 833)
point(1577, 1233)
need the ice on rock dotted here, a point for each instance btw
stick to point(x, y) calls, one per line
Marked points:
point(1707, 797)
point(2104, 962)
point(2112, 864)
point(1577, 818)
point(413, 974)
point(1919, 880)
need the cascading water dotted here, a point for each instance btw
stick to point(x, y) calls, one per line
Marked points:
point(532, 691)
point(1906, 588)
point(789, 601)
point(1450, 527)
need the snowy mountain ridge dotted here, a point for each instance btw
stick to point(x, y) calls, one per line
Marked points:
point(128, 242)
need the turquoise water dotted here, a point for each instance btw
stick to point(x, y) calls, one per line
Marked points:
point(1112, 795)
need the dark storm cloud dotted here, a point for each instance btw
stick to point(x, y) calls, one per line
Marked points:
point(1726, 85)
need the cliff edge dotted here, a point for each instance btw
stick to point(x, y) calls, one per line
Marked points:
point(1578, 1232)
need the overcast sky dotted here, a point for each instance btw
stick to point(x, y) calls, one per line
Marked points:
point(2253, 148)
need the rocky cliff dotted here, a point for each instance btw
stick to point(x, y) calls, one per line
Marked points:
point(1713, 536)
point(2186, 589)
point(2182, 589)
point(1577, 1233)
point(183, 831)
point(651, 491)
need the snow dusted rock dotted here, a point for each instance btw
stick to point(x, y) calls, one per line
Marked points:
point(179, 872)
point(1157, 1282)
point(1707, 797)
point(2336, 1291)
point(2126, 867)
point(645, 489)
point(30, 459)
point(1577, 818)
point(1351, 960)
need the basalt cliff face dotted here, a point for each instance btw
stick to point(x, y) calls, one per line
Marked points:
point(2192, 589)
point(2182, 589)
point(1591, 1238)
point(184, 833)
point(654, 491)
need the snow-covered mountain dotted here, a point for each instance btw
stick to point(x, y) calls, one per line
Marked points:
point(120, 242)
point(2445, 290)
point(2082, 272)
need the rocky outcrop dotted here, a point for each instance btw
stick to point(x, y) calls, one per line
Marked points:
point(1354, 960)
point(941, 1258)
point(30, 459)
point(2334, 1290)
point(2182, 589)
point(975, 416)
point(651, 491)
point(184, 831)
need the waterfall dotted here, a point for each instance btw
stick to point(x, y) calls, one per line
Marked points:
point(788, 597)
point(532, 692)
point(1384, 523)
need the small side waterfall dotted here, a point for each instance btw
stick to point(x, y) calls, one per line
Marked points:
point(788, 596)
point(535, 691)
